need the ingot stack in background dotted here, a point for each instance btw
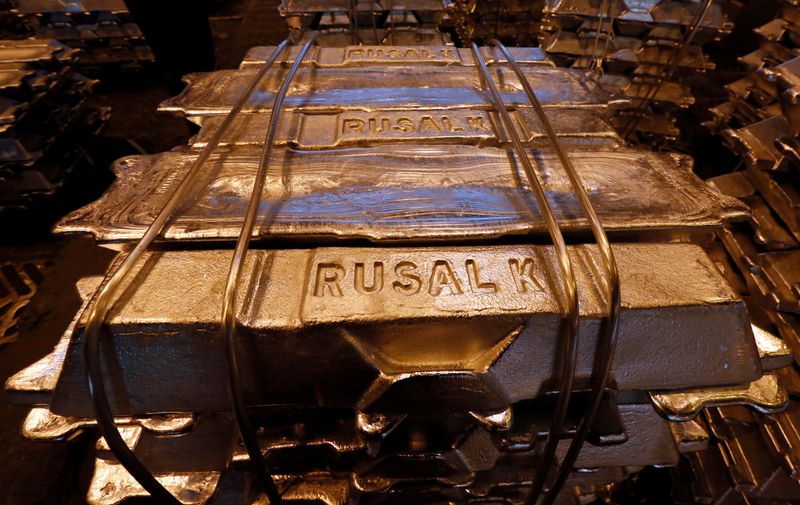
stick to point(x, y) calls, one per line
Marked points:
point(103, 30)
point(753, 458)
point(370, 22)
point(514, 22)
point(419, 369)
point(45, 116)
point(635, 47)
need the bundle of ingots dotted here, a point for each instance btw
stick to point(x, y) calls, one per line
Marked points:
point(337, 23)
point(43, 113)
point(649, 51)
point(761, 256)
point(103, 31)
point(422, 305)
point(515, 22)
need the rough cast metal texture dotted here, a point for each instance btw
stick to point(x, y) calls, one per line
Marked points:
point(500, 300)
point(402, 193)
point(438, 360)
point(367, 88)
point(354, 56)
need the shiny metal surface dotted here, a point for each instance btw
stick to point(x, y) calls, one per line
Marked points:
point(364, 55)
point(432, 126)
point(411, 87)
point(671, 295)
point(764, 395)
point(316, 196)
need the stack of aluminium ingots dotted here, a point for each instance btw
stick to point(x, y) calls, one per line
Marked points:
point(103, 31)
point(43, 113)
point(514, 22)
point(402, 327)
point(340, 23)
point(648, 51)
point(755, 458)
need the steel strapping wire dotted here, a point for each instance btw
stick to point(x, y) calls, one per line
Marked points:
point(677, 56)
point(606, 342)
point(246, 428)
point(567, 351)
point(601, 18)
point(108, 293)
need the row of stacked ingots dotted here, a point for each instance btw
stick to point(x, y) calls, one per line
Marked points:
point(761, 257)
point(402, 321)
point(651, 52)
point(102, 32)
point(44, 116)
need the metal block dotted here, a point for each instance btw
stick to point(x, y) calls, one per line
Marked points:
point(405, 193)
point(402, 36)
point(768, 230)
point(781, 192)
point(758, 143)
point(690, 436)
point(752, 465)
point(496, 302)
point(366, 129)
point(764, 395)
point(289, 7)
point(332, 89)
point(364, 56)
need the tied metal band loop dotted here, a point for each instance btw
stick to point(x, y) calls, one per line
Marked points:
point(246, 428)
point(606, 343)
point(568, 343)
point(106, 296)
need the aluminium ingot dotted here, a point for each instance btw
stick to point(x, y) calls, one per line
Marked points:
point(112, 485)
point(404, 36)
point(449, 452)
point(756, 470)
point(771, 276)
point(288, 7)
point(782, 431)
point(364, 129)
point(758, 143)
point(710, 481)
point(768, 230)
point(690, 436)
point(498, 303)
point(39, 50)
point(416, 87)
point(79, 6)
point(764, 395)
point(363, 55)
point(781, 191)
point(41, 424)
point(405, 193)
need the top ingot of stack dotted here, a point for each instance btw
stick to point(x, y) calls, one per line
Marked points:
point(640, 50)
point(399, 316)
